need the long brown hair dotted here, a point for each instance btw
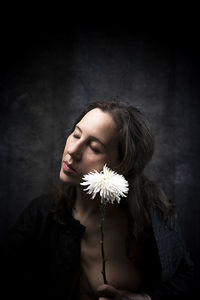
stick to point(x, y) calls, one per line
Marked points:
point(136, 148)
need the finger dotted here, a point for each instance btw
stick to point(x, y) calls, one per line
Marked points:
point(107, 291)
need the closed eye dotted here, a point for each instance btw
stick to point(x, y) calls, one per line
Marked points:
point(95, 150)
point(76, 136)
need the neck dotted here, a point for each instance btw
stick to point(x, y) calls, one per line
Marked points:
point(84, 205)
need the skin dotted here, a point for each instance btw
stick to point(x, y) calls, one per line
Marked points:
point(84, 151)
point(93, 144)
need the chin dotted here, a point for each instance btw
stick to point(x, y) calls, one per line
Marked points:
point(68, 179)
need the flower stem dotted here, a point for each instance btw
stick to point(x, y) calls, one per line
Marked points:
point(102, 210)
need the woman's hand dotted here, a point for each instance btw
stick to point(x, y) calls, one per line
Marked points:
point(107, 292)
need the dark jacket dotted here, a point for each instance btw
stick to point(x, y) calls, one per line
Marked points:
point(40, 257)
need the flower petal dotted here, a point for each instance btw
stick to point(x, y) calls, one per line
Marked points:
point(108, 183)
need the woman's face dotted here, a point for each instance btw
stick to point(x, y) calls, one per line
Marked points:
point(93, 144)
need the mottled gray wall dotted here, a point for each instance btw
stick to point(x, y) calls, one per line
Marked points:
point(47, 79)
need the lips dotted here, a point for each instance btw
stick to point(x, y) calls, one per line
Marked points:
point(68, 167)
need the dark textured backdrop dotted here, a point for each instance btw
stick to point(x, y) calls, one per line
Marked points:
point(48, 77)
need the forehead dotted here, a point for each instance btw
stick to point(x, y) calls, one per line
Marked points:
point(98, 124)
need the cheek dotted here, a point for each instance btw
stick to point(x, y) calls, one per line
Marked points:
point(91, 161)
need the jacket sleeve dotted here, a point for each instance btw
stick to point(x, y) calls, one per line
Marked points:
point(179, 286)
point(177, 267)
point(17, 248)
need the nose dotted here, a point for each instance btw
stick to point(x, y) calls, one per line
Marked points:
point(75, 151)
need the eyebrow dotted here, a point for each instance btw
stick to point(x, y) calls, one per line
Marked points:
point(92, 137)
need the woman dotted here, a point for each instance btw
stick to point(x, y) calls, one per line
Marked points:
point(56, 241)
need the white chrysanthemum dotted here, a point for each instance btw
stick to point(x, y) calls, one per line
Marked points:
point(108, 183)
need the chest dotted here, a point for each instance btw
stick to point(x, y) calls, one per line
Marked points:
point(121, 272)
